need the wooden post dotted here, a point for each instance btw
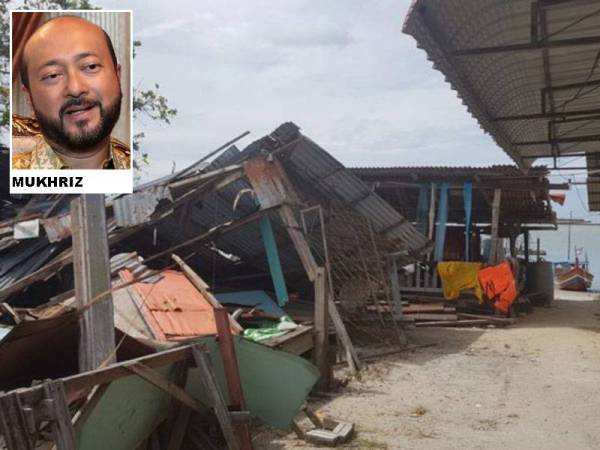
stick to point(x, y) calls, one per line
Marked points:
point(493, 257)
point(232, 374)
point(395, 286)
point(321, 354)
point(310, 266)
point(62, 426)
point(208, 379)
point(91, 269)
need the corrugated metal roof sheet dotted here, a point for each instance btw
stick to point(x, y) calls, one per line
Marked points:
point(316, 169)
point(524, 197)
point(173, 307)
point(534, 85)
point(502, 171)
point(137, 208)
point(593, 181)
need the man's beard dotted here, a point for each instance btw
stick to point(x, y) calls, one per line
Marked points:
point(54, 130)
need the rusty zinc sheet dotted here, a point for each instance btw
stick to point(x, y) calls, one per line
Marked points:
point(173, 308)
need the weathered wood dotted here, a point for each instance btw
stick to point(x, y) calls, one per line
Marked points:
point(201, 285)
point(179, 428)
point(172, 389)
point(421, 290)
point(493, 256)
point(14, 426)
point(321, 353)
point(454, 323)
point(10, 311)
point(310, 266)
point(428, 308)
point(232, 374)
point(493, 319)
point(91, 269)
point(395, 287)
point(297, 341)
point(86, 409)
point(215, 395)
point(433, 316)
point(302, 248)
point(62, 426)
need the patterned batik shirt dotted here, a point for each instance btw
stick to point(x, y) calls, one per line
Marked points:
point(31, 151)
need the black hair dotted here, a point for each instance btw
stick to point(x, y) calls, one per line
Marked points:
point(109, 44)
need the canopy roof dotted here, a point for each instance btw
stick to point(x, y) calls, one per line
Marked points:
point(528, 71)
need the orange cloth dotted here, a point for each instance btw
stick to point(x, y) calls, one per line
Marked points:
point(498, 283)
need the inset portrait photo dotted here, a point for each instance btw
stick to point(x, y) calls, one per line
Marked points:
point(71, 102)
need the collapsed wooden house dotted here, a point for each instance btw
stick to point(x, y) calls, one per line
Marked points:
point(281, 216)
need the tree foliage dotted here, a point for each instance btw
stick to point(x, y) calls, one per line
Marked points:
point(146, 102)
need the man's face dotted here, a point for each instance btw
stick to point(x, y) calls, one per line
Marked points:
point(74, 87)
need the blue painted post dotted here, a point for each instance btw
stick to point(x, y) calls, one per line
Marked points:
point(468, 197)
point(440, 234)
point(266, 232)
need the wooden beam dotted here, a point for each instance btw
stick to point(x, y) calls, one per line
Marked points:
point(14, 425)
point(180, 426)
point(321, 353)
point(91, 268)
point(156, 379)
point(237, 402)
point(62, 426)
point(215, 395)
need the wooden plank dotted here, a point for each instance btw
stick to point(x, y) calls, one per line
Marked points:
point(86, 409)
point(302, 248)
point(232, 374)
point(395, 287)
point(297, 341)
point(76, 383)
point(433, 316)
point(170, 388)
point(91, 268)
point(353, 361)
point(179, 428)
point(201, 285)
point(215, 395)
point(13, 423)
point(321, 353)
point(428, 308)
point(493, 319)
point(454, 323)
point(310, 266)
point(62, 427)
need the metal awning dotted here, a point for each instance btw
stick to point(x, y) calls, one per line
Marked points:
point(528, 71)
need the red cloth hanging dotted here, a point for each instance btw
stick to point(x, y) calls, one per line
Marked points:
point(498, 283)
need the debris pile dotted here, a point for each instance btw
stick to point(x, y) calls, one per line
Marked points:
point(177, 314)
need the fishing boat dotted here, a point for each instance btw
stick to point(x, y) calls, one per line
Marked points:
point(573, 277)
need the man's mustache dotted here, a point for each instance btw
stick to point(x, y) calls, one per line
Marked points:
point(82, 102)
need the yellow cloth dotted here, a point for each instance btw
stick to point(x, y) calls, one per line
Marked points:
point(457, 276)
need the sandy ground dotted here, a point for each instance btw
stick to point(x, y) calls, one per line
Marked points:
point(533, 385)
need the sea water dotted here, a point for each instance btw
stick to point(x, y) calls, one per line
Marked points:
point(555, 243)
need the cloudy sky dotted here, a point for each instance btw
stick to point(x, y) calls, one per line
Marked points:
point(340, 69)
